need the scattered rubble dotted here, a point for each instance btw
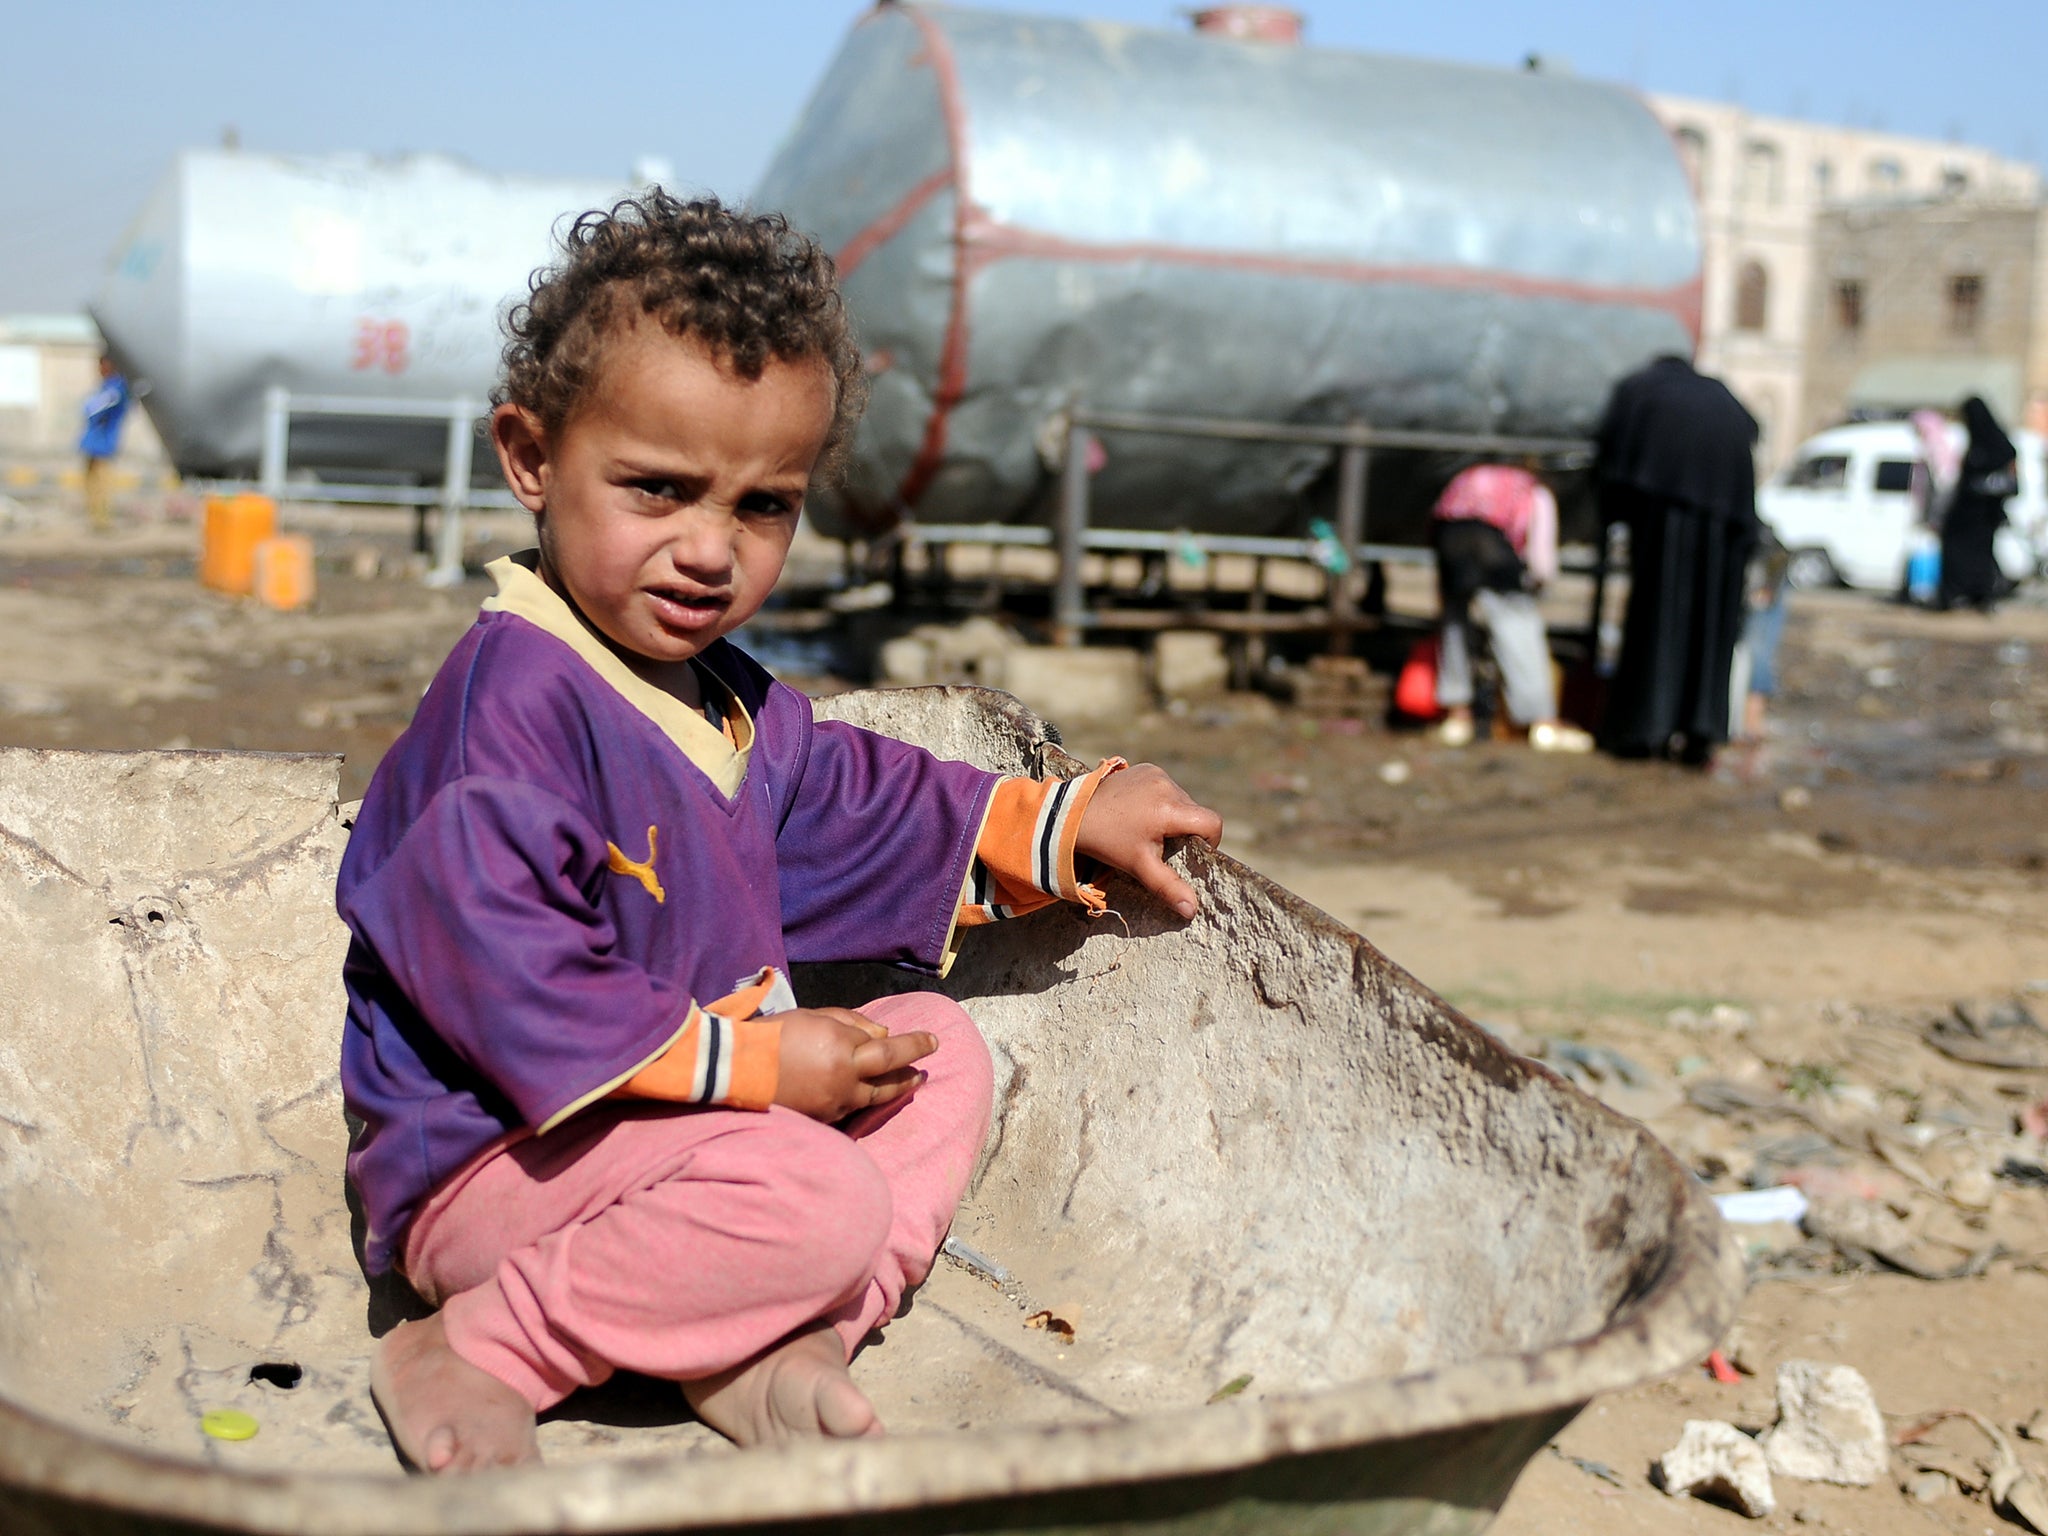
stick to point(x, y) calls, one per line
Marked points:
point(1722, 1018)
point(1869, 1234)
point(1717, 1461)
point(2015, 1492)
point(1996, 1034)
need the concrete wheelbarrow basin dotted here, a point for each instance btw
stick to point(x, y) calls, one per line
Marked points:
point(1243, 1152)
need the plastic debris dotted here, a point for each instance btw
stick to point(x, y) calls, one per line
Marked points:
point(1760, 1207)
point(1719, 1368)
point(1585, 1064)
point(228, 1424)
point(1828, 1429)
point(1327, 549)
point(1591, 1468)
point(1715, 1460)
point(976, 1260)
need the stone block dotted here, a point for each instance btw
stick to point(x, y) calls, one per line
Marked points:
point(1187, 663)
point(905, 662)
point(1081, 685)
point(1718, 1461)
point(972, 651)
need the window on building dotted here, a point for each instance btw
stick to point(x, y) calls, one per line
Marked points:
point(1692, 153)
point(1965, 303)
point(1849, 304)
point(1762, 172)
point(1895, 474)
point(1823, 178)
point(1955, 181)
point(1752, 297)
point(1886, 175)
point(1822, 472)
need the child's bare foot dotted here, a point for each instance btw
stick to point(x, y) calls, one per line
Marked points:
point(799, 1390)
point(445, 1414)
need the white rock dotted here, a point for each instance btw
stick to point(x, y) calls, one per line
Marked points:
point(1187, 663)
point(1717, 1460)
point(1828, 1429)
point(905, 662)
point(1082, 685)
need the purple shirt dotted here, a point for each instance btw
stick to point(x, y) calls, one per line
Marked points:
point(501, 972)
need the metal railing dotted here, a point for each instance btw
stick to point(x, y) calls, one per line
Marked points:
point(454, 496)
point(1072, 537)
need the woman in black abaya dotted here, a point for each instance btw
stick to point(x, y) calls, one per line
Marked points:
point(1674, 462)
point(1969, 571)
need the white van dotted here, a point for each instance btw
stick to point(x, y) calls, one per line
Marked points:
point(1844, 507)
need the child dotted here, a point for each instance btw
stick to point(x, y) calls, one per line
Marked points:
point(104, 409)
point(596, 1131)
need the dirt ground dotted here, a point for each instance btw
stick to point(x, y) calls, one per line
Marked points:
point(1749, 959)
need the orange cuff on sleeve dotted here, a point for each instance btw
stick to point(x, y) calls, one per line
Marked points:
point(1025, 857)
point(728, 1053)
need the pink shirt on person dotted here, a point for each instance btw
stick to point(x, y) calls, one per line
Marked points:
point(1512, 500)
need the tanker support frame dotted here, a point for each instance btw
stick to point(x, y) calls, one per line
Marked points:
point(454, 496)
point(1072, 538)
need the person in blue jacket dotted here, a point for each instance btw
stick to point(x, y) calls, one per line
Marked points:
point(105, 408)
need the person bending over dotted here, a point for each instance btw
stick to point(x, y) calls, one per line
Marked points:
point(1495, 532)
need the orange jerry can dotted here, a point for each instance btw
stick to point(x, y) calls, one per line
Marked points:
point(234, 526)
point(284, 571)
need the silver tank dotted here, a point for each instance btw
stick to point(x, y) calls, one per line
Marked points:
point(339, 275)
point(1032, 213)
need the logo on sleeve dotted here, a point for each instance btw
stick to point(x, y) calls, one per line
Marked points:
point(640, 869)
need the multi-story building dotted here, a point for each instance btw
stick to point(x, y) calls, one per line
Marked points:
point(1763, 182)
point(1921, 304)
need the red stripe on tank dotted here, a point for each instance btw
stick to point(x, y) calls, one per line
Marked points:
point(990, 242)
point(890, 224)
point(952, 379)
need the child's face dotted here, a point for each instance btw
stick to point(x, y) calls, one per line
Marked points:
point(667, 501)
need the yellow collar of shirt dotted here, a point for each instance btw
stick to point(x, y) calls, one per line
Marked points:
point(722, 760)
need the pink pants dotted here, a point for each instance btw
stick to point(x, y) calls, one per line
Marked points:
point(680, 1243)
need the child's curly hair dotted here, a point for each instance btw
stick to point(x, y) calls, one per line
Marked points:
point(746, 285)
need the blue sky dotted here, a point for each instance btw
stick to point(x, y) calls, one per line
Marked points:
point(96, 98)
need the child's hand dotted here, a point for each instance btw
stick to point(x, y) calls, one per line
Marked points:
point(1130, 818)
point(835, 1061)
